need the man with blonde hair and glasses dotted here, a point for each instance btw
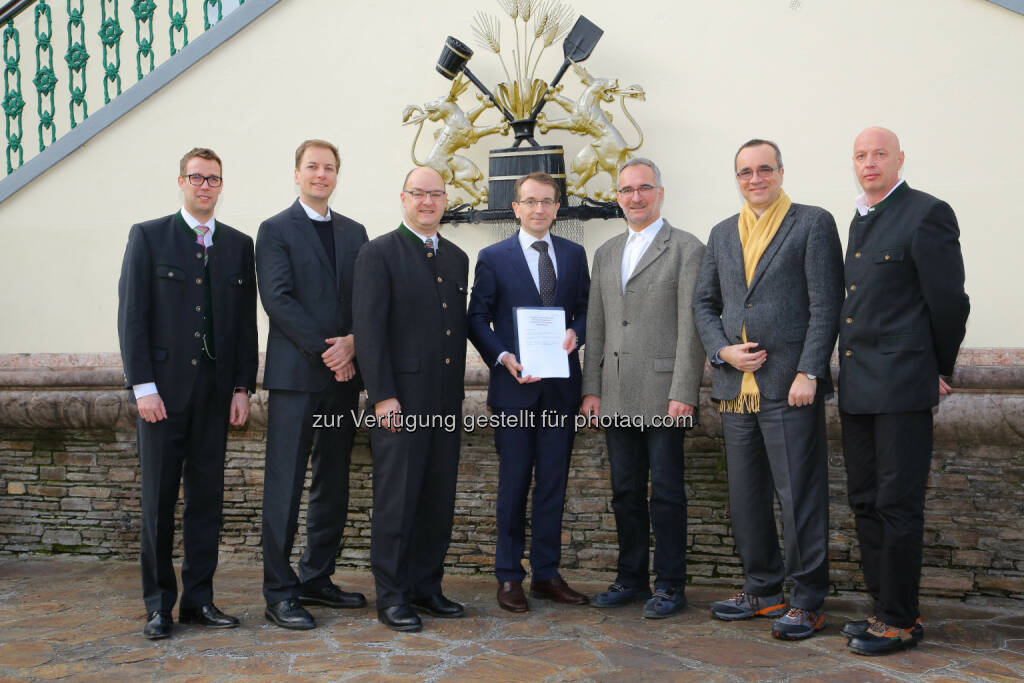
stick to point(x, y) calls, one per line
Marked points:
point(641, 382)
point(767, 304)
point(186, 320)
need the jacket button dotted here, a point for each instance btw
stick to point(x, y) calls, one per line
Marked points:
point(750, 305)
point(887, 257)
point(170, 273)
point(195, 361)
point(239, 280)
point(198, 309)
point(857, 255)
point(849, 320)
point(197, 335)
point(199, 280)
point(444, 304)
point(448, 333)
point(440, 279)
point(199, 254)
point(447, 361)
point(624, 323)
point(853, 288)
point(615, 353)
point(848, 353)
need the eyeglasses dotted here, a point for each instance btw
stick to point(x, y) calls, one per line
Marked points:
point(420, 194)
point(198, 178)
point(643, 189)
point(761, 171)
point(530, 203)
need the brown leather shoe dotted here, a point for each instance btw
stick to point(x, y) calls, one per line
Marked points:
point(558, 590)
point(511, 596)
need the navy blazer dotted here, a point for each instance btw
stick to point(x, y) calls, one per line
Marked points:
point(503, 282)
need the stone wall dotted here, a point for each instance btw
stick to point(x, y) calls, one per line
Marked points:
point(69, 477)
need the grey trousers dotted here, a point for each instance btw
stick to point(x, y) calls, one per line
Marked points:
point(780, 450)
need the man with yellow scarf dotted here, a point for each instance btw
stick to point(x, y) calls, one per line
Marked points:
point(767, 307)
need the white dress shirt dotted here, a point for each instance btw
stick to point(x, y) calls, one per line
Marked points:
point(313, 215)
point(862, 203)
point(636, 246)
point(432, 238)
point(526, 241)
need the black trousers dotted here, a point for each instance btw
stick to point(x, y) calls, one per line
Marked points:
point(189, 443)
point(781, 449)
point(414, 475)
point(292, 442)
point(632, 453)
point(887, 461)
point(539, 454)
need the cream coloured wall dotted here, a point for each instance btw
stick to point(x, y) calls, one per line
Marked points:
point(810, 74)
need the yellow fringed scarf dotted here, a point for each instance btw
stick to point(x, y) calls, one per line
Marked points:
point(755, 236)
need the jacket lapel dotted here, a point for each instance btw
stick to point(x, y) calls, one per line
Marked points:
point(657, 248)
point(303, 226)
point(563, 267)
point(340, 247)
point(517, 258)
point(773, 248)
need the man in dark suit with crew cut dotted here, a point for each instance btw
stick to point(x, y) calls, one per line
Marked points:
point(531, 268)
point(900, 330)
point(305, 257)
point(410, 325)
point(186, 320)
point(766, 304)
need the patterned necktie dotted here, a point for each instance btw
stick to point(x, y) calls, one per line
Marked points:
point(547, 273)
point(200, 231)
point(428, 245)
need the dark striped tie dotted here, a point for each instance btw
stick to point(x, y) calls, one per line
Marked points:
point(547, 273)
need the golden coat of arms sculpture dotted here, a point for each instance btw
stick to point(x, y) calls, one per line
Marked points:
point(519, 100)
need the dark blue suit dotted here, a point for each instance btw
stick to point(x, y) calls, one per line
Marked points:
point(541, 451)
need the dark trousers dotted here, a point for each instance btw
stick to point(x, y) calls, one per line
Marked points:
point(540, 453)
point(292, 442)
point(887, 461)
point(781, 449)
point(414, 475)
point(632, 453)
point(190, 442)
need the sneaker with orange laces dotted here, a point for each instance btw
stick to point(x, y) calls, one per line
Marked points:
point(881, 639)
point(744, 606)
point(856, 629)
point(798, 624)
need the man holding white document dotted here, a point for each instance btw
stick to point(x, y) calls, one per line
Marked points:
point(642, 383)
point(527, 318)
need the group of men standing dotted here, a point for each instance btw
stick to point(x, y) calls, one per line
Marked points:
point(763, 302)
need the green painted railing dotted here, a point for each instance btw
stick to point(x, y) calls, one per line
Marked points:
point(94, 27)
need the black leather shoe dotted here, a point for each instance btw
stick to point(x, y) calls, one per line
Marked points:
point(330, 595)
point(158, 625)
point(290, 614)
point(207, 615)
point(400, 618)
point(439, 606)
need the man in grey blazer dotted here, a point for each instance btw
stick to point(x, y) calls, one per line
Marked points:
point(767, 307)
point(305, 260)
point(641, 382)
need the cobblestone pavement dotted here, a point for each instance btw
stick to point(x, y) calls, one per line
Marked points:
point(82, 620)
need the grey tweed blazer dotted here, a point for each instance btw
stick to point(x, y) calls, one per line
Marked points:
point(791, 308)
point(642, 344)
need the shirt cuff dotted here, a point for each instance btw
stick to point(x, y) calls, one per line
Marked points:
point(500, 356)
point(146, 389)
point(717, 360)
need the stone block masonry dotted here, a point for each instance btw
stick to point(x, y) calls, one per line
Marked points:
point(69, 482)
